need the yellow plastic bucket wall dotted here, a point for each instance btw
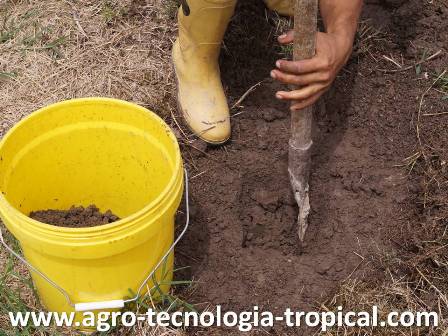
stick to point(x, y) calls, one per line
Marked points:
point(101, 151)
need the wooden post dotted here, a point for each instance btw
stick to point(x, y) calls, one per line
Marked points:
point(300, 143)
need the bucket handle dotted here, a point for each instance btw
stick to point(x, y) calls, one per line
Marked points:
point(113, 304)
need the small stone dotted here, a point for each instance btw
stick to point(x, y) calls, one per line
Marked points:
point(323, 267)
point(261, 279)
point(339, 267)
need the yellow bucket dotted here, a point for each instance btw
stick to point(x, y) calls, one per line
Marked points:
point(101, 151)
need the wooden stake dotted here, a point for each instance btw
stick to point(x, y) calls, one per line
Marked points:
point(300, 143)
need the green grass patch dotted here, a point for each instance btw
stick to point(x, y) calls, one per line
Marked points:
point(443, 83)
point(171, 7)
point(10, 27)
point(11, 297)
point(111, 11)
point(8, 75)
point(27, 33)
point(286, 50)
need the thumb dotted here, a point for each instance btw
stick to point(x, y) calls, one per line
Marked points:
point(287, 37)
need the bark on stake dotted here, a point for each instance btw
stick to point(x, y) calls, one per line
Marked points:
point(305, 29)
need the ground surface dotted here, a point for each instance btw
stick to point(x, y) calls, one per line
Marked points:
point(245, 246)
point(379, 181)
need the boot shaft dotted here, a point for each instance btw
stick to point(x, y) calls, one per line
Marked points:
point(203, 30)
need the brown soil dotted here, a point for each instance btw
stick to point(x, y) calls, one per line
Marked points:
point(75, 217)
point(242, 246)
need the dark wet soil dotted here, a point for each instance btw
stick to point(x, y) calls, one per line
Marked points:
point(75, 217)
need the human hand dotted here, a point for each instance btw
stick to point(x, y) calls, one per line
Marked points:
point(314, 76)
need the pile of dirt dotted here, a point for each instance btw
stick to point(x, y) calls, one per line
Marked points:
point(75, 217)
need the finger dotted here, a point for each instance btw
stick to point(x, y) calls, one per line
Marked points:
point(302, 80)
point(314, 64)
point(287, 37)
point(301, 94)
point(297, 106)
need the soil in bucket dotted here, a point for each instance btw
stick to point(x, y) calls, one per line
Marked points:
point(75, 217)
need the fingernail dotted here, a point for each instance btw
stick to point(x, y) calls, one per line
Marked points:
point(282, 36)
point(278, 64)
point(279, 96)
point(273, 75)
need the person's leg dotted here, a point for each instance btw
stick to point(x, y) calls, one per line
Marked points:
point(283, 7)
point(195, 55)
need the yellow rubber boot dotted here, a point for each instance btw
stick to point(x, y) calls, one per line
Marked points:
point(201, 96)
point(283, 7)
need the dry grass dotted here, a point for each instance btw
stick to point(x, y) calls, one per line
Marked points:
point(56, 50)
point(411, 284)
point(368, 39)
